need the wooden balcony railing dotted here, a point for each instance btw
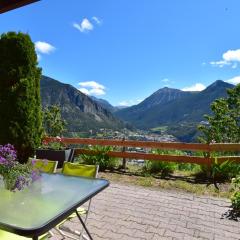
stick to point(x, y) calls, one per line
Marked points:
point(233, 149)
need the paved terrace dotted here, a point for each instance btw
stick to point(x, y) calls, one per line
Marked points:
point(131, 212)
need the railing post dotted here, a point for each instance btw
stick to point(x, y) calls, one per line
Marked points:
point(209, 164)
point(124, 160)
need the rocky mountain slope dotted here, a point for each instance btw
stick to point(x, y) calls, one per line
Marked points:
point(80, 111)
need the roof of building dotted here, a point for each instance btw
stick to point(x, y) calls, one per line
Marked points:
point(7, 5)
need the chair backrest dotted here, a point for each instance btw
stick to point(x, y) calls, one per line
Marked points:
point(44, 165)
point(82, 170)
point(71, 155)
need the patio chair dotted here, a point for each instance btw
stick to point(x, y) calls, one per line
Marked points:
point(46, 166)
point(11, 236)
point(81, 170)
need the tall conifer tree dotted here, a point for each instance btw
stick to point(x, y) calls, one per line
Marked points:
point(20, 103)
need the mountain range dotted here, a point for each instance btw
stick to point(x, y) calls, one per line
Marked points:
point(81, 113)
point(178, 111)
point(175, 111)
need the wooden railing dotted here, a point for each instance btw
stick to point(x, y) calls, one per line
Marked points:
point(207, 149)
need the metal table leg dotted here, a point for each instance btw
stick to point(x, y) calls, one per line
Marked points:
point(84, 226)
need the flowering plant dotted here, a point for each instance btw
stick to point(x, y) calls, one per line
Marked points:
point(57, 144)
point(15, 175)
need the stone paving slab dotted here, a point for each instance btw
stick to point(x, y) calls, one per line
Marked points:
point(132, 212)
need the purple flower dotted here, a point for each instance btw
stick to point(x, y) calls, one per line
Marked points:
point(20, 182)
point(15, 174)
point(35, 175)
point(34, 160)
point(2, 160)
point(7, 151)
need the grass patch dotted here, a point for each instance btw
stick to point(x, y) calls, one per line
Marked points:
point(178, 181)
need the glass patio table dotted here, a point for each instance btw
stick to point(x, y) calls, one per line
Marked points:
point(45, 203)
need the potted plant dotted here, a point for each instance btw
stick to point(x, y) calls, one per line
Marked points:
point(55, 151)
point(15, 175)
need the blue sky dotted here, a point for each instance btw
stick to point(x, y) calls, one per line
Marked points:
point(124, 50)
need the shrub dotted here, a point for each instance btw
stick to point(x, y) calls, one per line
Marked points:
point(236, 195)
point(168, 152)
point(236, 200)
point(101, 158)
point(188, 167)
point(221, 171)
point(164, 168)
point(20, 103)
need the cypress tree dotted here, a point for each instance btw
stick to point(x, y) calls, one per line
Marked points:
point(20, 103)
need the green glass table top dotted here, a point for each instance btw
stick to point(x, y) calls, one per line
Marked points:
point(45, 200)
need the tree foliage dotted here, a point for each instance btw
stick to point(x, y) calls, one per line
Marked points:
point(20, 103)
point(53, 123)
point(224, 124)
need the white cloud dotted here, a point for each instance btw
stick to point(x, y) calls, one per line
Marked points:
point(44, 47)
point(220, 63)
point(92, 88)
point(234, 80)
point(231, 57)
point(91, 84)
point(165, 80)
point(93, 91)
point(97, 20)
point(84, 26)
point(84, 90)
point(195, 87)
point(129, 102)
point(97, 92)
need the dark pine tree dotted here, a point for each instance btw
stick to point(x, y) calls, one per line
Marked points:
point(20, 103)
